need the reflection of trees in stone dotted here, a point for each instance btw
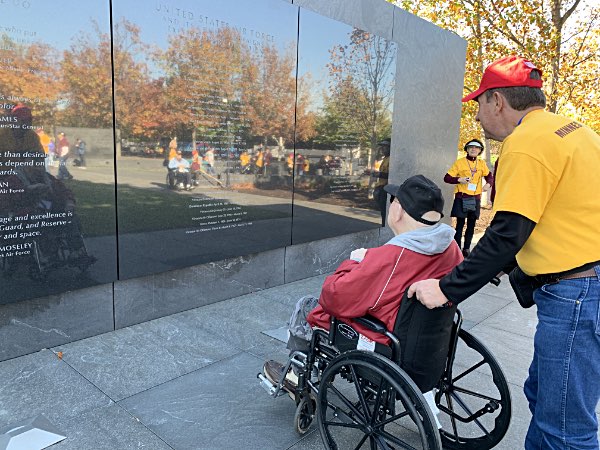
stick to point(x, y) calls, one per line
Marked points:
point(213, 77)
point(30, 74)
point(139, 99)
point(204, 79)
point(361, 91)
point(270, 97)
point(86, 71)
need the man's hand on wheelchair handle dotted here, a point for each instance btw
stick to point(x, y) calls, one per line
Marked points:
point(428, 292)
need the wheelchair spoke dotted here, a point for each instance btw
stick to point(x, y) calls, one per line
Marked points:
point(468, 411)
point(452, 419)
point(395, 440)
point(377, 401)
point(391, 419)
point(372, 443)
point(362, 441)
point(346, 402)
point(360, 394)
point(468, 371)
point(475, 394)
point(356, 426)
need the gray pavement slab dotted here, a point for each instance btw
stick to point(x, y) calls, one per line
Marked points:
point(109, 428)
point(40, 383)
point(220, 406)
point(133, 359)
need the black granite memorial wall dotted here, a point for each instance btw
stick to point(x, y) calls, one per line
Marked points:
point(57, 219)
point(239, 127)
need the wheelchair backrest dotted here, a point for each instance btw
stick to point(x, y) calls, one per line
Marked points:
point(425, 336)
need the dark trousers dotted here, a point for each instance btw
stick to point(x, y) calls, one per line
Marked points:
point(460, 223)
point(380, 196)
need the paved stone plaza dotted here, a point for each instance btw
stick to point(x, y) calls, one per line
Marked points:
point(188, 381)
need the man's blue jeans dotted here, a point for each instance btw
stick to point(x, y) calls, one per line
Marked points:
point(563, 387)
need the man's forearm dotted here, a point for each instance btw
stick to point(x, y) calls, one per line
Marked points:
point(495, 251)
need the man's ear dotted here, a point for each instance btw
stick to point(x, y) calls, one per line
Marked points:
point(499, 101)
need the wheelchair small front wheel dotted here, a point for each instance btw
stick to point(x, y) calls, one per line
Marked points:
point(475, 402)
point(305, 413)
point(366, 401)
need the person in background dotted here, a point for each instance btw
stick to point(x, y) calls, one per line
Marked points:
point(80, 147)
point(547, 211)
point(467, 174)
point(179, 172)
point(244, 161)
point(209, 157)
point(63, 156)
point(381, 177)
point(45, 141)
point(173, 148)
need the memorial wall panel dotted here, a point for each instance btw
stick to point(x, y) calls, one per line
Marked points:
point(205, 101)
point(57, 191)
point(344, 108)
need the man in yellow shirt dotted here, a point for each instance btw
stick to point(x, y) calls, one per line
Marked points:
point(547, 214)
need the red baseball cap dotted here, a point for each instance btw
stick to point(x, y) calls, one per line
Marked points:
point(510, 71)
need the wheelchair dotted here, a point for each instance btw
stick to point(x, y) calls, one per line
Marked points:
point(179, 180)
point(57, 249)
point(365, 399)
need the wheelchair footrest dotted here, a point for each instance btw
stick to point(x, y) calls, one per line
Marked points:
point(268, 385)
point(274, 390)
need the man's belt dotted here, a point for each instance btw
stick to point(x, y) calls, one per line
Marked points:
point(556, 277)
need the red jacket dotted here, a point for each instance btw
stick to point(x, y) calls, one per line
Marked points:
point(376, 285)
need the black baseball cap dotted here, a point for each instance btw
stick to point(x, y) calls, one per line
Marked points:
point(387, 142)
point(418, 195)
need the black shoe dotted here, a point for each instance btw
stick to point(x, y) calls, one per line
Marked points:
point(466, 252)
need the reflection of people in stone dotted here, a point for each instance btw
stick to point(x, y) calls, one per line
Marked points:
point(382, 176)
point(173, 148)
point(244, 161)
point(17, 138)
point(80, 147)
point(259, 162)
point(63, 156)
point(179, 172)
point(51, 152)
point(306, 166)
point(45, 141)
point(267, 158)
point(209, 158)
point(299, 164)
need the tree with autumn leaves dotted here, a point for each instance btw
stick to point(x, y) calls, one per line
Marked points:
point(562, 37)
point(31, 77)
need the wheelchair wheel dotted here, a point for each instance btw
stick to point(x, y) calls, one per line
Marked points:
point(305, 413)
point(475, 403)
point(365, 402)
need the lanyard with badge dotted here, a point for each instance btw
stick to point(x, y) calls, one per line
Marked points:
point(473, 170)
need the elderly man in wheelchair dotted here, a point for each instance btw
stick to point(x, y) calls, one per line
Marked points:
point(376, 368)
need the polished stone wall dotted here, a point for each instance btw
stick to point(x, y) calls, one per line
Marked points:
point(429, 74)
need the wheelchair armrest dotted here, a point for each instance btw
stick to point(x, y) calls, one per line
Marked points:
point(372, 324)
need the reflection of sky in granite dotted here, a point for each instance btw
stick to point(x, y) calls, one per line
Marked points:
point(272, 18)
point(55, 23)
point(317, 36)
